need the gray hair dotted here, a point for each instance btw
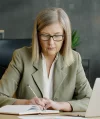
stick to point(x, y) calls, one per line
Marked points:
point(45, 18)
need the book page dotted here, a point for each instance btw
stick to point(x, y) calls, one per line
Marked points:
point(20, 109)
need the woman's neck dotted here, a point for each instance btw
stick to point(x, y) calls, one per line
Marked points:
point(49, 58)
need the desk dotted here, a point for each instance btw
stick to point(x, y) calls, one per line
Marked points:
point(2, 116)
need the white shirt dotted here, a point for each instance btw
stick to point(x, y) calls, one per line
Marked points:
point(48, 81)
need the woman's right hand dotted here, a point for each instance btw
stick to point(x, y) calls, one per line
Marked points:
point(36, 101)
point(33, 101)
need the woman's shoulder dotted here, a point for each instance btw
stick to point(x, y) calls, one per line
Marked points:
point(75, 54)
point(24, 50)
point(23, 53)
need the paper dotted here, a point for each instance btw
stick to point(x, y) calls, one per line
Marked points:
point(24, 109)
point(48, 117)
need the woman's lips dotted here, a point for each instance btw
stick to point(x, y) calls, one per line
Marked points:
point(51, 48)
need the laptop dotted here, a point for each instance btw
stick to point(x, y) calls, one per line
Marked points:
point(93, 109)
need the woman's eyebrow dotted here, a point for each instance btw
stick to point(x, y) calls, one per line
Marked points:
point(58, 33)
point(50, 34)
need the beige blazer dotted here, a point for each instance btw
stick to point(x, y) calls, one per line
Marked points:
point(69, 83)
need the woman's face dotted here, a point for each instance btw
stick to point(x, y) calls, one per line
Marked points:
point(51, 45)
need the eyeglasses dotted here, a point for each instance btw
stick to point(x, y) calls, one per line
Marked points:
point(46, 37)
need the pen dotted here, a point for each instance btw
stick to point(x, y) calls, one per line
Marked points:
point(34, 94)
point(32, 90)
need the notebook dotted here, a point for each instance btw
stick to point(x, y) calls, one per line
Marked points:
point(25, 109)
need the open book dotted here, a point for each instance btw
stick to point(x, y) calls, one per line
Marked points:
point(25, 109)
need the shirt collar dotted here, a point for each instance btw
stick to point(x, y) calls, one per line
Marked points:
point(43, 58)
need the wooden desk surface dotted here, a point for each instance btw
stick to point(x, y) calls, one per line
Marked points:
point(8, 116)
point(2, 116)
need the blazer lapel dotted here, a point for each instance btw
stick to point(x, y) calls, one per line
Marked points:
point(60, 72)
point(38, 75)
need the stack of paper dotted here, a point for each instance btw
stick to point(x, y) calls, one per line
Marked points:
point(48, 117)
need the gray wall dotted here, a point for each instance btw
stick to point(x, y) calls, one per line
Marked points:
point(17, 17)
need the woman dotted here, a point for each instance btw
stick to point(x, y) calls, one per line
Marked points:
point(50, 68)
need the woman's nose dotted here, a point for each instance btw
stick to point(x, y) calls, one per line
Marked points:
point(51, 41)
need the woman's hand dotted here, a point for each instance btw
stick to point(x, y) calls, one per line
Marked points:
point(37, 101)
point(45, 103)
point(62, 106)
